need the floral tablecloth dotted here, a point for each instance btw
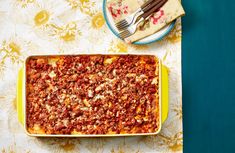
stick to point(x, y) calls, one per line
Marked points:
point(73, 27)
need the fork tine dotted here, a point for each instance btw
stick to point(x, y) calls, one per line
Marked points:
point(122, 34)
point(122, 22)
point(121, 27)
point(125, 34)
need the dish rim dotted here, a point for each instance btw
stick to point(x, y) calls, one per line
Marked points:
point(90, 135)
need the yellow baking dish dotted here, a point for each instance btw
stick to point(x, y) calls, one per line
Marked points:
point(163, 105)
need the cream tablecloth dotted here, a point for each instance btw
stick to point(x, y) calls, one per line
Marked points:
point(76, 26)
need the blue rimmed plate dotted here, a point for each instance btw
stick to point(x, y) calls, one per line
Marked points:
point(147, 40)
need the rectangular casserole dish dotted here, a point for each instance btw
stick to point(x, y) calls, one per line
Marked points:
point(22, 96)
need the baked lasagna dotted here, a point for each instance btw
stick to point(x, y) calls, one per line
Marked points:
point(92, 94)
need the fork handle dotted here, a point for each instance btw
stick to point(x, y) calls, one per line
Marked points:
point(146, 4)
point(150, 5)
point(153, 9)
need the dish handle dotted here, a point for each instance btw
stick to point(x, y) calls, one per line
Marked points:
point(20, 108)
point(164, 93)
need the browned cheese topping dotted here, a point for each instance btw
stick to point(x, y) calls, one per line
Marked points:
point(92, 94)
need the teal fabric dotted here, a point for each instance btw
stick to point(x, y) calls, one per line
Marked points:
point(208, 57)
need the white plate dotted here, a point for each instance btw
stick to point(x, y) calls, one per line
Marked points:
point(147, 40)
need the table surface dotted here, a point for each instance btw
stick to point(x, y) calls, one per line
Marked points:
point(76, 27)
point(208, 76)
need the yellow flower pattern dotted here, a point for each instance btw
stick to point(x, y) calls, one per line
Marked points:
point(85, 6)
point(10, 50)
point(72, 27)
point(66, 33)
point(118, 47)
point(41, 17)
point(24, 3)
point(98, 21)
